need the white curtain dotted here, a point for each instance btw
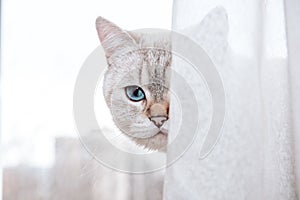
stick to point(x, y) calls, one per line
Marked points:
point(255, 47)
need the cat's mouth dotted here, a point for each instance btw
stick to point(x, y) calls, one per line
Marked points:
point(163, 132)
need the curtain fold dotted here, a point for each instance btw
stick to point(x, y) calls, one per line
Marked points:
point(292, 14)
point(255, 155)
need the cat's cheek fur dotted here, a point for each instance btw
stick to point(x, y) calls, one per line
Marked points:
point(130, 118)
point(157, 142)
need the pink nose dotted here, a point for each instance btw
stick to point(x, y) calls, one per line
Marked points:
point(158, 120)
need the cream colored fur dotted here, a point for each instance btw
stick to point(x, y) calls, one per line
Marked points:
point(141, 59)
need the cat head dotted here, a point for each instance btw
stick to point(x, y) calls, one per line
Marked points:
point(136, 82)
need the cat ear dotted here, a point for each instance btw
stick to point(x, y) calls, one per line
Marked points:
point(113, 39)
point(212, 33)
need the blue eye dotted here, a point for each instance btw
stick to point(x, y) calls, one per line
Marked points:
point(135, 93)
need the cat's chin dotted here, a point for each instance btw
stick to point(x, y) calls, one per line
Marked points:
point(158, 142)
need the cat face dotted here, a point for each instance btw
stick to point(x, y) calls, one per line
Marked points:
point(136, 83)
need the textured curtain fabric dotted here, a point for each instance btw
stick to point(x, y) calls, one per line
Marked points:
point(255, 47)
point(292, 8)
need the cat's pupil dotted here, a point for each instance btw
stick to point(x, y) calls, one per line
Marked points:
point(136, 92)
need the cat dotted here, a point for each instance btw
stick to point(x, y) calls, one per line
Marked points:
point(135, 85)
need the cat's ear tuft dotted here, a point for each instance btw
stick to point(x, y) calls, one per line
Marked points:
point(105, 27)
point(113, 38)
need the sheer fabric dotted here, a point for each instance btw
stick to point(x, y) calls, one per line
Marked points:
point(255, 156)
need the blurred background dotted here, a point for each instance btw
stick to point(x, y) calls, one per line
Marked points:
point(43, 45)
